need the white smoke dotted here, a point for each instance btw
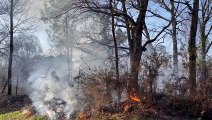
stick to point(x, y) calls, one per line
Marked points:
point(50, 90)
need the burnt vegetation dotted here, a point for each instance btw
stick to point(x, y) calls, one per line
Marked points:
point(106, 59)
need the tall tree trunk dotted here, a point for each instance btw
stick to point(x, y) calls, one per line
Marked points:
point(128, 29)
point(192, 48)
point(133, 88)
point(116, 49)
point(203, 54)
point(206, 11)
point(135, 57)
point(174, 38)
point(115, 43)
point(11, 50)
point(132, 83)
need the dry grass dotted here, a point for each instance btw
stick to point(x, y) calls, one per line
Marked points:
point(18, 115)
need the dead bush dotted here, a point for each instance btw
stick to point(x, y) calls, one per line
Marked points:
point(100, 86)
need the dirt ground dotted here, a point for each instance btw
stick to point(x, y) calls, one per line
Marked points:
point(13, 103)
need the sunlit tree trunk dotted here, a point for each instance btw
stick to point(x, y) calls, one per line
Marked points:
point(174, 38)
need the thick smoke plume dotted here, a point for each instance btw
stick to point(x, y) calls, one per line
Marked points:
point(50, 90)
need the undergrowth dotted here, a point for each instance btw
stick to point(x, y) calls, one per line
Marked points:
point(18, 115)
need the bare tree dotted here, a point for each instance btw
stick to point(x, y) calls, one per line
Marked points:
point(16, 11)
point(174, 38)
point(116, 47)
point(62, 30)
point(134, 28)
point(175, 10)
point(205, 31)
point(192, 47)
point(115, 41)
point(11, 49)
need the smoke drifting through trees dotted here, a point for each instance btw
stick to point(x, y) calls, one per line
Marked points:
point(127, 40)
point(14, 15)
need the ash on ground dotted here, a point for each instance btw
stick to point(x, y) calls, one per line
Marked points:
point(56, 109)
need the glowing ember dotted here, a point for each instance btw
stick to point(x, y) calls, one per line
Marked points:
point(134, 98)
point(126, 107)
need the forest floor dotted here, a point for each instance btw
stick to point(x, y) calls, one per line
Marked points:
point(12, 108)
point(163, 109)
point(13, 103)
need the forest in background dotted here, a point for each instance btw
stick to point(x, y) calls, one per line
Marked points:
point(107, 59)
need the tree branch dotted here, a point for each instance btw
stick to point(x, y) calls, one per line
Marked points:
point(156, 37)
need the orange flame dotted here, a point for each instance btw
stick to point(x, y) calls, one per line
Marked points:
point(134, 98)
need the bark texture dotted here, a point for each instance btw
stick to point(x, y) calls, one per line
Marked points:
point(11, 50)
point(192, 48)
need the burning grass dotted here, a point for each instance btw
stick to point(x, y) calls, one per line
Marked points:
point(135, 98)
point(134, 108)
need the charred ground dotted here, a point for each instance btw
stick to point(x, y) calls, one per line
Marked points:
point(162, 108)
